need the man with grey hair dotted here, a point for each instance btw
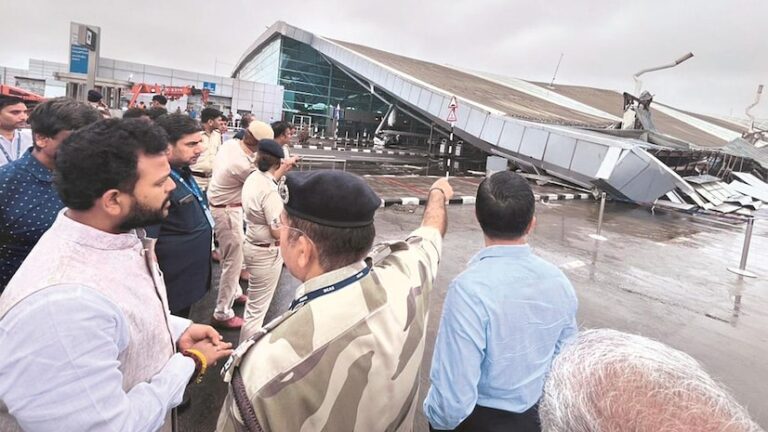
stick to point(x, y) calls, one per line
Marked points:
point(607, 380)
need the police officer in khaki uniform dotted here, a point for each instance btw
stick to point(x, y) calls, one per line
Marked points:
point(235, 161)
point(261, 206)
point(347, 354)
point(203, 168)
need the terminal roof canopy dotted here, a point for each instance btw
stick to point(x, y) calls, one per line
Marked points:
point(568, 105)
point(552, 129)
point(486, 90)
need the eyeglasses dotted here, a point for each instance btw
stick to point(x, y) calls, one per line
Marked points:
point(278, 223)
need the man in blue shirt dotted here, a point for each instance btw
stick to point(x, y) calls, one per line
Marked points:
point(184, 239)
point(28, 201)
point(504, 320)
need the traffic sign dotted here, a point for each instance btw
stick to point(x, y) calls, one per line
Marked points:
point(454, 103)
point(452, 116)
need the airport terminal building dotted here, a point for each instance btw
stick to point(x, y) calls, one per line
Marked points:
point(349, 92)
point(575, 133)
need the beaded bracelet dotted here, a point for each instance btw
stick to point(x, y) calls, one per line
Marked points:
point(201, 364)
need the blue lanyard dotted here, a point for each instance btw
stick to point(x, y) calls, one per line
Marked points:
point(17, 136)
point(306, 298)
point(193, 187)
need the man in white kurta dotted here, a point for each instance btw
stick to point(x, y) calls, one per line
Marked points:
point(87, 340)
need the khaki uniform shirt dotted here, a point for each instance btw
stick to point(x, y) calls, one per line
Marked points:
point(231, 167)
point(211, 142)
point(348, 360)
point(261, 205)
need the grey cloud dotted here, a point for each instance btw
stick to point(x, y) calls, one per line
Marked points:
point(604, 42)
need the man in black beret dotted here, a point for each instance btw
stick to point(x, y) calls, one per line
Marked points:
point(96, 100)
point(347, 354)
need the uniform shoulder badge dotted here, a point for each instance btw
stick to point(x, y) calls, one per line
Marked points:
point(282, 189)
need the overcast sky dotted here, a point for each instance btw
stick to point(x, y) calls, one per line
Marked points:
point(604, 42)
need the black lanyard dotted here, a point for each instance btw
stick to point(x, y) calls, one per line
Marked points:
point(306, 298)
point(16, 135)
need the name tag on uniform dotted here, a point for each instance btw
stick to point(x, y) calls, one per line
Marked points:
point(234, 360)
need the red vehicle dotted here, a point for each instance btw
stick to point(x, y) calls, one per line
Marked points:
point(171, 92)
point(27, 96)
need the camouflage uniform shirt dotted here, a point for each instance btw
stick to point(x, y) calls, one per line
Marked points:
point(349, 360)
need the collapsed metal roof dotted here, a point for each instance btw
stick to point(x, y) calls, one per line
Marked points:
point(552, 130)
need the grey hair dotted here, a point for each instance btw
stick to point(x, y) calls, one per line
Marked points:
point(610, 381)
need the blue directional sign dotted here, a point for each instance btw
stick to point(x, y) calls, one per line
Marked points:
point(210, 86)
point(78, 59)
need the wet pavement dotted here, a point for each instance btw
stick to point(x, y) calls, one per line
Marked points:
point(661, 275)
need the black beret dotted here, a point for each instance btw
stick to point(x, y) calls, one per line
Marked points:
point(271, 147)
point(94, 96)
point(331, 198)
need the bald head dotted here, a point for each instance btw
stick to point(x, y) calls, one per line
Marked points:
point(606, 380)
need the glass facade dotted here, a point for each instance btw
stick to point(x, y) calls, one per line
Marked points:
point(314, 87)
point(265, 66)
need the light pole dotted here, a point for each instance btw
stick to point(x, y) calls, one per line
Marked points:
point(636, 77)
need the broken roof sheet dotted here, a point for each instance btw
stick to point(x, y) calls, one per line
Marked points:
point(480, 87)
point(742, 148)
point(511, 102)
point(490, 91)
point(613, 102)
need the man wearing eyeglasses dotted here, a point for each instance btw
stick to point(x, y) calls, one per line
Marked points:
point(347, 354)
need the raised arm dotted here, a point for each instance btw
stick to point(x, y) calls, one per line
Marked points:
point(435, 213)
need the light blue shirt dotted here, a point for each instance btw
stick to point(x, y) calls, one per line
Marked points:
point(504, 319)
point(59, 368)
point(16, 147)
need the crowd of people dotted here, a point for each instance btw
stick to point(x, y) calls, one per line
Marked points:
point(108, 230)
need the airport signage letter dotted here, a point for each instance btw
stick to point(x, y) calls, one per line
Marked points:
point(90, 39)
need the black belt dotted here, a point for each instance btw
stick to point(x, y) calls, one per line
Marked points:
point(226, 205)
point(266, 245)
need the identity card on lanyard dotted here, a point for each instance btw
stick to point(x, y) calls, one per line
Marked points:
point(195, 189)
point(17, 139)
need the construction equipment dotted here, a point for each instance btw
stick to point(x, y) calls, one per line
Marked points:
point(27, 96)
point(171, 92)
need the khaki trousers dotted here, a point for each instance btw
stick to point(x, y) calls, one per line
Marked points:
point(264, 265)
point(229, 232)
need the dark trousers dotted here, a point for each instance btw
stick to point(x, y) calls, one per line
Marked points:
point(485, 419)
point(183, 313)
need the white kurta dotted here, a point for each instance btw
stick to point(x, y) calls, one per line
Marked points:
point(87, 339)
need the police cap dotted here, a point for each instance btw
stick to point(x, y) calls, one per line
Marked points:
point(271, 147)
point(331, 198)
point(261, 130)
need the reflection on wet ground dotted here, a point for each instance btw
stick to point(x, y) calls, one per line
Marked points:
point(661, 275)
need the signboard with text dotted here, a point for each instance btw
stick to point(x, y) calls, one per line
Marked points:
point(78, 59)
point(210, 86)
